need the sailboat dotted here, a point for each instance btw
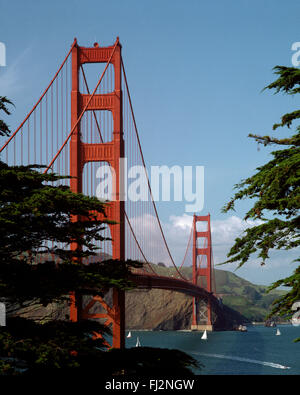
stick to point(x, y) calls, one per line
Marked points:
point(204, 336)
point(129, 334)
point(278, 333)
point(138, 343)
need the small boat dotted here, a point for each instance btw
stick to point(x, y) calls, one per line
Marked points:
point(278, 333)
point(129, 334)
point(204, 336)
point(138, 343)
point(242, 328)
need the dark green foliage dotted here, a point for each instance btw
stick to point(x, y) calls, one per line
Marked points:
point(34, 213)
point(288, 80)
point(26, 346)
point(21, 282)
point(35, 219)
point(275, 189)
point(151, 362)
point(37, 267)
point(4, 129)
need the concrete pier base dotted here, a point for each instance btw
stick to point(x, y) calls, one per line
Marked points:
point(202, 327)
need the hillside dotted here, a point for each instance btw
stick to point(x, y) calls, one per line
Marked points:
point(251, 300)
point(159, 309)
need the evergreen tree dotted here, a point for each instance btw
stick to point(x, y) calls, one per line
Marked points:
point(37, 268)
point(275, 189)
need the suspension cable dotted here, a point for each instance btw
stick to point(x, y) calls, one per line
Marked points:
point(143, 161)
point(187, 248)
point(126, 216)
point(37, 103)
point(138, 244)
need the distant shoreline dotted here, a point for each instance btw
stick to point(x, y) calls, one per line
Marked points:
point(277, 323)
point(189, 330)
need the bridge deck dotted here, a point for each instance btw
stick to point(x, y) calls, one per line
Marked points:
point(146, 280)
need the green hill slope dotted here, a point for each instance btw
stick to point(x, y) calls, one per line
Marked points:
point(251, 300)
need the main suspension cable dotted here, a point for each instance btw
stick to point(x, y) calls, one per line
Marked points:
point(148, 182)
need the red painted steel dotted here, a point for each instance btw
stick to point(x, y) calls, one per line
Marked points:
point(71, 149)
point(82, 153)
point(198, 271)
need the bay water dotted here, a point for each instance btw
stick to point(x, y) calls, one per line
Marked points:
point(255, 352)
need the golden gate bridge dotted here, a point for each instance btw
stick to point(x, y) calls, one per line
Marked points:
point(75, 130)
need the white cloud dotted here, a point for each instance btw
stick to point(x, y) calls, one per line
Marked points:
point(184, 221)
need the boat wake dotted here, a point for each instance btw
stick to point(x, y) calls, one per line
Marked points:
point(233, 358)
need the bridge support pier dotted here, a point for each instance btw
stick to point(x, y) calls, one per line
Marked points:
point(203, 327)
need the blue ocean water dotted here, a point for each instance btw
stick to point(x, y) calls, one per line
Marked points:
point(258, 351)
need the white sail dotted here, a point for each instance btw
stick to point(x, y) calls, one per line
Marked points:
point(129, 334)
point(138, 343)
point(278, 333)
point(204, 336)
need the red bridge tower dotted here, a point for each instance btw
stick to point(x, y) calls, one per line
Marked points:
point(202, 270)
point(110, 152)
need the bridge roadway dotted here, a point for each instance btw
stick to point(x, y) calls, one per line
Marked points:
point(151, 281)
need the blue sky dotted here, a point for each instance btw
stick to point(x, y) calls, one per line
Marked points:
point(195, 70)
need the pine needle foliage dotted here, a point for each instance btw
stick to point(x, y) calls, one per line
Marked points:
point(275, 190)
point(37, 268)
